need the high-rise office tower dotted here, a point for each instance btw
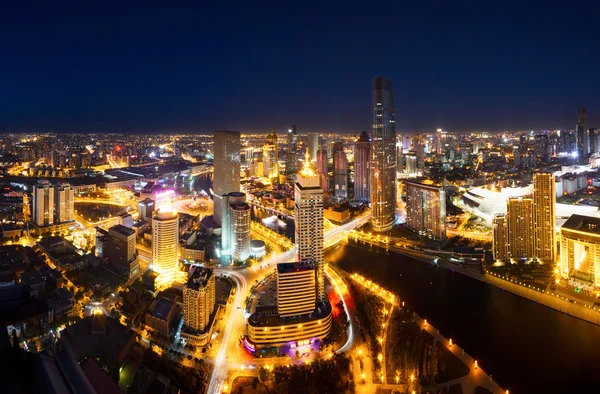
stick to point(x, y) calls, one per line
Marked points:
point(240, 220)
point(43, 204)
point(541, 148)
point(593, 137)
point(520, 220)
point(340, 171)
point(399, 160)
point(271, 157)
point(199, 298)
point(322, 169)
point(165, 242)
point(309, 222)
point(582, 141)
point(125, 219)
point(296, 289)
point(226, 177)
point(313, 145)
point(227, 234)
point(426, 209)
point(64, 203)
point(544, 205)
point(383, 155)
point(235, 230)
point(362, 149)
point(146, 209)
point(322, 161)
point(121, 251)
point(411, 162)
point(291, 162)
point(500, 237)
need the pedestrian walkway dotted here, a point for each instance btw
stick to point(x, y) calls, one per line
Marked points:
point(476, 376)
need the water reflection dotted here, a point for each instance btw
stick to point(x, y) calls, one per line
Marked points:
point(527, 347)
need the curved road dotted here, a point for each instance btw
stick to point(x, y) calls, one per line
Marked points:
point(219, 375)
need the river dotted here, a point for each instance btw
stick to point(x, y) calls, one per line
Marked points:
point(527, 347)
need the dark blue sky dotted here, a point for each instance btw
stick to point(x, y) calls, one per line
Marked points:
point(249, 67)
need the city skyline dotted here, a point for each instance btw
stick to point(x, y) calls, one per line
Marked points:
point(222, 207)
point(61, 76)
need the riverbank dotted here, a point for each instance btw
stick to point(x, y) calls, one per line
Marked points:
point(554, 301)
point(512, 338)
point(410, 350)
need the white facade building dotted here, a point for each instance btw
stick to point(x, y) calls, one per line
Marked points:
point(309, 222)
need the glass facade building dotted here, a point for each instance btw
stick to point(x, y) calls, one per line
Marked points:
point(383, 155)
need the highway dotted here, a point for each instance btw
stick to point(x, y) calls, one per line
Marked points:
point(235, 321)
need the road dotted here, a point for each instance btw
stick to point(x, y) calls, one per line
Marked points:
point(469, 234)
point(235, 320)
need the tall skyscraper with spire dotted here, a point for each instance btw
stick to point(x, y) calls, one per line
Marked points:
point(383, 155)
point(309, 222)
point(362, 148)
point(291, 162)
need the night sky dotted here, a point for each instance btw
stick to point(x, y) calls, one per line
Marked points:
point(474, 67)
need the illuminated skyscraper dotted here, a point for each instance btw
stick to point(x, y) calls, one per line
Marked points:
point(64, 203)
point(296, 289)
point(146, 209)
point(426, 209)
point(322, 169)
point(291, 162)
point(121, 251)
point(520, 227)
point(226, 177)
point(383, 155)
point(199, 298)
point(340, 171)
point(271, 157)
point(235, 230)
point(165, 241)
point(362, 148)
point(582, 141)
point(411, 163)
point(309, 222)
point(43, 204)
point(544, 205)
point(593, 138)
point(500, 240)
point(313, 145)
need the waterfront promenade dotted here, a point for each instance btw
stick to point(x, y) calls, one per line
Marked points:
point(476, 376)
point(552, 300)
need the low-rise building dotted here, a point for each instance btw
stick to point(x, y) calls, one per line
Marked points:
point(337, 214)
point(160, 315)
point(99, 336)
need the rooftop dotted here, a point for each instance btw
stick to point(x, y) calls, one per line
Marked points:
point(119, 228)
point(96, 334)
point(199, 277)
point(322, 310)
point(240, 207)
point(285, 268)
point(162, 308)
point(587, 224)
